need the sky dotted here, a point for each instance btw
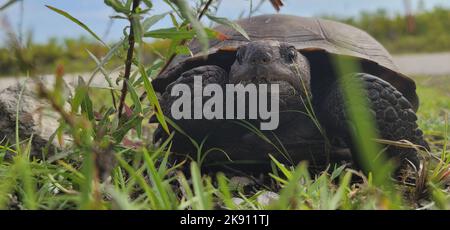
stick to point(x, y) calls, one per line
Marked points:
point(45, 24)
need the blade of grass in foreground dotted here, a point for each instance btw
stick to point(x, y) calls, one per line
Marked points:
point(78, 22)
point(23, 168)
point(151, 196)
point(224, 191)
point(8, 4)
point(8, 177)
point(153, 99)
point(203, 197)
point(22, 163)
point(160, 187)
point(288, 193)
point(88, 173)
point(364, 132)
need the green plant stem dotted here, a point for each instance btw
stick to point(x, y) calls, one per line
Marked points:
point(129, 60)
point(205, 8)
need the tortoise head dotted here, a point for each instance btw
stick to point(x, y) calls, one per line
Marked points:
point(272, 62)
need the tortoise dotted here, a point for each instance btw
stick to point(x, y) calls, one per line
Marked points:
point(297, 53)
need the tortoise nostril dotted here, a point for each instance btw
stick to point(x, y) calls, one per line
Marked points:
point(261, 58)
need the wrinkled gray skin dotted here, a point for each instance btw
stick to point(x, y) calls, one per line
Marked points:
point(276, 62)
point(271, 61)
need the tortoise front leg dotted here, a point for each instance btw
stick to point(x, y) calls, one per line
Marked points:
point(395, 118)
point(195, 128)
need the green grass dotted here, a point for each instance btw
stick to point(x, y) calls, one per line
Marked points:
point(434, 93)
point(140, 181)
point(434, 115)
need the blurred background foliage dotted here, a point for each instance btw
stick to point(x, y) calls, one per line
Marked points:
point(426, 31)
point(70, 52)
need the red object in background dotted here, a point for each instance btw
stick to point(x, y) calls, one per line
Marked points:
point(277, 4)
point(411, 21)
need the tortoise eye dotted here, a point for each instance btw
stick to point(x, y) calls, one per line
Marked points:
point(240, 55)
point(291, 54)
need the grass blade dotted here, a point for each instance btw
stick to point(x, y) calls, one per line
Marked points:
point(225, 193)
point(8, 4)
point(78, 22)
point(157, 181)
point(151, 96)
point(226, 22)
point(199, 190)
point(364, 131)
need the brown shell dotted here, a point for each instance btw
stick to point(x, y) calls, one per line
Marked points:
point(310, 35)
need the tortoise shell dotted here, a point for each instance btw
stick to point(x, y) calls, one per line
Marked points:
point(308, 35)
